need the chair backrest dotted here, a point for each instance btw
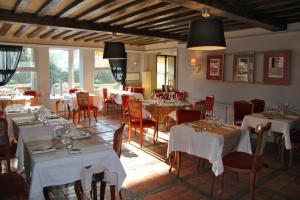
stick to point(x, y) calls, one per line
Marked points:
point(138, 90)
point(187, 115)
point(117, 142)
point(200, 106)
point(104, 92)
point(261, 131)
point(259, 105)
point(209, 103)
point(73, 90)
point(125, 99)
point(180, 94)
point(240, 109)
point(4, 143)
point(135, 109)
point(82, 98)
point(126, 88)
point(30, 93)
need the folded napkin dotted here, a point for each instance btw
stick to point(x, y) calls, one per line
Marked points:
point(26, 123)
point(44, 149)
point(53, 117)
point(292, 116)
point(81, 135)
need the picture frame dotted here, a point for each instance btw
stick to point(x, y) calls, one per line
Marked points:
point(276, 67)
point(215, 67)
point(135, 76)
point(244, 67)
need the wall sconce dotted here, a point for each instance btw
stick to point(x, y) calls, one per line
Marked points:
point(196, 67)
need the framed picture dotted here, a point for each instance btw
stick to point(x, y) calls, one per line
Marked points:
point(215, 67)
point(243, 67)
point(133, 76)
point(276, 67)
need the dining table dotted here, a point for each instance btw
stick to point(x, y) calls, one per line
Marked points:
point(118, 95)
point(93, 99)
point(209, 140)
point(47, 162)
point(284, 123)
point(13, 99)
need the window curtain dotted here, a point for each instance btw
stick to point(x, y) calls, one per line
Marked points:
point(119, 69)
point(9, 60)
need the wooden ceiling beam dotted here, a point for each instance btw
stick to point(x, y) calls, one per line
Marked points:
point(36, 31)
point(59, 35)
point(74, 35)
point(48, 33)
point(5, 28)
point(97, 37)
point(101, 39)
point(69, 7)
point(116, 10)
point(9, 16)
point(138, 12)
point(17, 4)
point(23, 28)
point(237, 12)
point(44, 5)
point(85, 36)
point(97, 6)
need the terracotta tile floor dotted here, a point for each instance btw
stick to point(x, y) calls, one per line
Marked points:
point(148, 177)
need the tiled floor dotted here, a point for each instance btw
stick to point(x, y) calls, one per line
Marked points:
point(148, 177)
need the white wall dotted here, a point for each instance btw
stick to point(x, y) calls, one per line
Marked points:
point(198, 87)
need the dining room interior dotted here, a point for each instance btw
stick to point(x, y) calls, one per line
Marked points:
point(149, 99)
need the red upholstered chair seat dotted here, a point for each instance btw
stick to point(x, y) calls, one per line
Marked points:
point(30, 93)
point(12, 149)
point(239, 160)
point(146, 122)
point(12, 185)
point(86, 107)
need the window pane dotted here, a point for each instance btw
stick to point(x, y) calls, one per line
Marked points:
point(103, 78)
point(76, 81)
point(170, 70)
point(59, 74)
point(22, 80)
point(26, 59)
point(99, 61)
point(160, 77)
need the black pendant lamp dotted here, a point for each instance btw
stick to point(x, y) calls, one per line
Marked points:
point(114, 50)
point(206, 34)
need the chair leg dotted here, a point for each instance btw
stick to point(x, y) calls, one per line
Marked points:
point(78, 189)
point(252, 185)
point(96, 114)
point(94, 190)
point(102, 190)
point(222, 185)
point(198, 165)
point(170, 162)
point(120, 195)
point(282, 152)
point(129, 133)
point(112, 192)
point(178, 161)
point(291, 157)
point(45, 192)
point(141, 136)
point(212, 184)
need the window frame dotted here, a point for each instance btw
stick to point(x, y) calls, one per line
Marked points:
point(165, 74)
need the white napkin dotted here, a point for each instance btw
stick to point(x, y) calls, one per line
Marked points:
point(43, 149)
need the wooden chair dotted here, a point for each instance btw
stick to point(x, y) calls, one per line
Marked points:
point(209, 105)
point(7, 149)
point(136, 120)
point(200, 106)
point(73, 90)
point(258, 105)
point(125, 99)
point(108, 100)
point(12, 186)
point(240, 110)
point(117, 146)
point(138, 90)
point(240, 162)
point(35, 99)
point(184, 116)
point(295, 140)
point(180, 95)
point(83, 102)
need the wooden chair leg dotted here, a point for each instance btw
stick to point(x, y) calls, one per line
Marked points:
point(45, 192)
point(170, 162)
point(222, 185)
point(78, 189)
point(102, 190)
point(141, 136)
point(96, 114)
point(212, 185)
point(252, 185)
point(291, 157)
point(282, 153)
point(178, 161)
point(120, 195)
point(129, 133)
point(112, 192)
point(94, 190)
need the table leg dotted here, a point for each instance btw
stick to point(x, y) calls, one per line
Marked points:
point(178, 161)
point(282, 151)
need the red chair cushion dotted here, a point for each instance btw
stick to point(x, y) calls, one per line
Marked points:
point(86, 107)
point(146, 122)
point(238, 160)
point(112, 101)
point(12, 149)
point(12, 185)
point(30, 93)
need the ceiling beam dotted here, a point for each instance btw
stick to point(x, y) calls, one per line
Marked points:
point(48, 33)
point(36, 31)
point(17, 4)
point(237, 12)
point(21, 30)
point(9, 16)
point(59, 35)
point(5, 28)
point(97, 37)
point(44, 5)
point(74, 35)
point(69, 7)
point(85, 36)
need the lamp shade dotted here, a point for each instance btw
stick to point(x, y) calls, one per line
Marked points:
point(114, 50)
point(206, 34)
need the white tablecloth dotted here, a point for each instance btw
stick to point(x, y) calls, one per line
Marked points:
point(119, 94)
point(280, 125)
point(204, 145)
point(72, 99)
point(60, 167)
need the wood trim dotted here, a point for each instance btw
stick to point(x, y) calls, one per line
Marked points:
point(5, 28)
point(36, 31)
point(48, 33)
point(23, 28)
point(69, 7)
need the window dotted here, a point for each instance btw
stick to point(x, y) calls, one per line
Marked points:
point(25, 76)
point(64, 70)
point(165, 71)
point(102, 74)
